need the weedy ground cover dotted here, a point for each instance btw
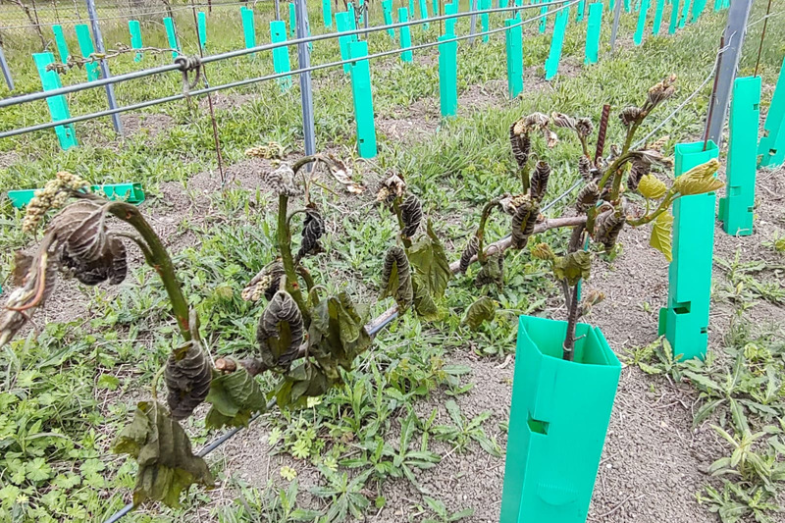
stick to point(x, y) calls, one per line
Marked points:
point(386, 444)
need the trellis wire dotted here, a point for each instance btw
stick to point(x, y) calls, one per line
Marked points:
point(241, 83)
point(267, 47)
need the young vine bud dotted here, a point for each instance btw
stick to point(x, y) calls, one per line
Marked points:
point(281, 180)
point(280, 331)
point(662, 91)
point(521, 146)
point(631, 115)
point(266, 283)
point(187, 375)
point(411, 214)
point(584, 127)
point(539, 180)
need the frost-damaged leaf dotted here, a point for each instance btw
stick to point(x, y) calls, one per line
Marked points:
point(187, 376)
point(280, 331)
point(337, 334)
point(397, 278)
point(343, 175)
point(479, 312)
point(167, 466)
point(302, 382)
point(523, 222)
point(234, 397)
point(661, 235)
point(411, 215)
point(652, 187)
point(573, 267)
point(699, 180)
point(607, 228)
point(492, 272)
point(431, 264)
point(469, 252)
point(424, 304)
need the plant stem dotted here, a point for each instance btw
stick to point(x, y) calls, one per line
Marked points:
point(572, 321)
point(665, 204)
point(160, 262)
point(285, 248)
point(525, 183)
point(486, 212)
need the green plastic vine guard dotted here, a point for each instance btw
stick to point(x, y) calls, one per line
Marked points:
point(202, 25)
point(627, 6)
point(249, 28)
point(406, 34)
point(717, 5)
point(685, 12)
point(581, 11)
point(435, 7)
point(129, 192)
point(644, 11)
point(485, 20)
point(449, 24)
point(281, 54)
point(171, 36)
point(136, 38)
point(612, 5)
point(58, 105)
point(363, 100)
point(697, 10)
point(657, 26)
point(544, 18)
point(685, 320)
point(771, 149)
point(387, 11)
point(448, 76)
point(62, 46)
point(86, 48)
point(557, 42)
point(559, 418)
point(514, 46)
point(423, 4)
point(735, 211)
point(593, 32)
point(360, 7)
point(344, 23)
point(327, 13)
point(674, 17)
point(293, 19)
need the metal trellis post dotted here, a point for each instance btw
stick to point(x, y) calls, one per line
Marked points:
point(734, 41)
point(615, 30)
point(99, 44)
point(9, 81)
point(306, 89)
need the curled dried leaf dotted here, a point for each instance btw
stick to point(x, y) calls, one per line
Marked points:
point(510, 203)
point(187, 375)
point(523, 223)
point(313, 229)
point(584, 127)
point(631, 115)
point(411, 214)
point(638, 169)
point(38, 284)
point(342, 173)
point(397, 278)
point(391, 188)
point(280, 331)
point(562, 120)
point(521, 146)
point(469, 252)
point(662, 91)
point(607, 228)
point(539, 180)
point(281, 180)
point(587, 197)
point(585, 167)
point(85, 245)
point(266, 283)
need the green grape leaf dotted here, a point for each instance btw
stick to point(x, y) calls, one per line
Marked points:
point(661, 235)
point(573, 267)
point(234, 397)
point(337, 334)
point(652, 187)
point(479, 312)
point(167, 466)
point(302, 382)
point(430, 262)
point(700, 179)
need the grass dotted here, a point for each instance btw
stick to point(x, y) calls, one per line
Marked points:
point(66, 392)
